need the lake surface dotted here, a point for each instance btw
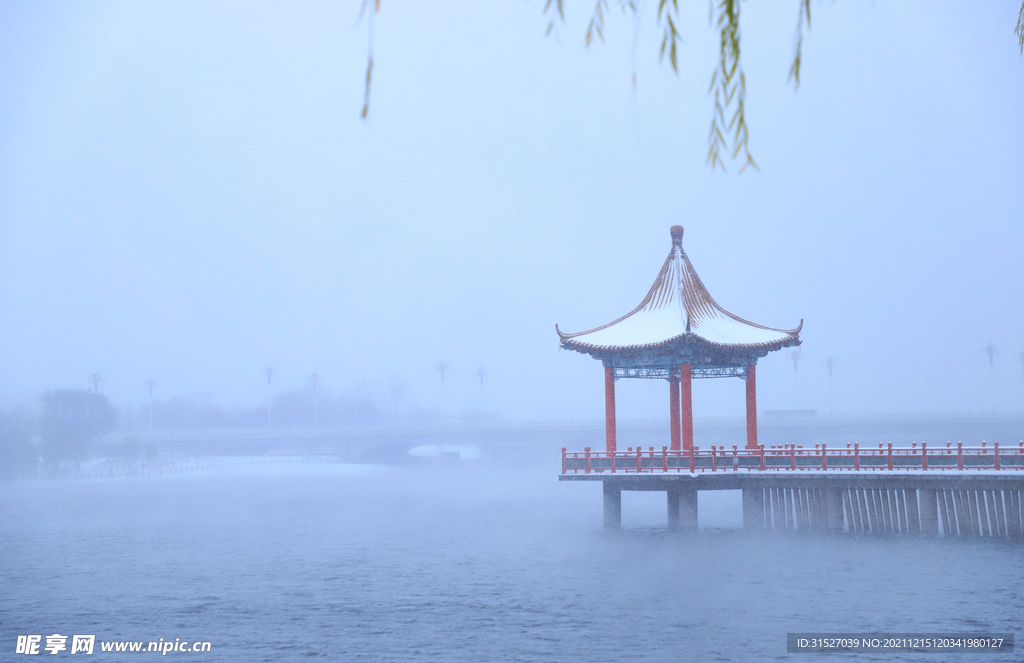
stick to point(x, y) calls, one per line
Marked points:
point(357, 563)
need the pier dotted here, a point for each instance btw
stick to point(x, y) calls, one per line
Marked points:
point(964, 492)
point(679, 333)
point(964, 505)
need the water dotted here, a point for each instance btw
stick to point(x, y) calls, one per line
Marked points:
point(444, 564)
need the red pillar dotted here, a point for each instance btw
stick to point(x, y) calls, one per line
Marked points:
point(751, 407)
point(609, 408)
point(686, 396)
point(673, 406)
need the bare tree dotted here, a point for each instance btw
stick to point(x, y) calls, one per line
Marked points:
point(399, 392)
point(71, 419)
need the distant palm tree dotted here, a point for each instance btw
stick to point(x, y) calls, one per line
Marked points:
point(481, 373)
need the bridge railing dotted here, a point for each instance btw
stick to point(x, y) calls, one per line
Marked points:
point(796, 458)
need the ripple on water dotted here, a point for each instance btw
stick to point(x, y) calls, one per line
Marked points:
point(414, 566)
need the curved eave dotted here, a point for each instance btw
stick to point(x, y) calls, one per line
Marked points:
point(568, 342)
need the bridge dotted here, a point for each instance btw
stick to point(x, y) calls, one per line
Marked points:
point(540, 441)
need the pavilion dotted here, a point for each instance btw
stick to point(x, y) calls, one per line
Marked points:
point(679, 333)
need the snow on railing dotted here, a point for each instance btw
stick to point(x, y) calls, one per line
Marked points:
point(796, 458)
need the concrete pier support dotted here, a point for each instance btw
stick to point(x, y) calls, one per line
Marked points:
point(673, 508)
point(833, 509)
point(612, 506)
point(687, 501)
point(929, 512)
point(753, 509)
point(960, 505)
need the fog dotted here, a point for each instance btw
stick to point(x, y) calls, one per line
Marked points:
point(287, 381)
point(391, 564)
point(188, 195)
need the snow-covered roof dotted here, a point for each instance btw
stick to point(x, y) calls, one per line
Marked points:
point(679, 308)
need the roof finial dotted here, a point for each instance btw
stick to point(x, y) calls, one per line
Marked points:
point(677, 236)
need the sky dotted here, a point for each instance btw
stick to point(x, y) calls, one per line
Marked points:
point(188, 193)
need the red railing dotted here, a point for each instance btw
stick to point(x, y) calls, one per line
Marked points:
point(796, 458)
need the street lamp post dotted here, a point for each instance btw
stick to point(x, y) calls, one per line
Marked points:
point(150, 383)
point(830, 364)
point(796, 356)
point(991, 350)
point(314, 378)
point(442, 368)
point(1021, 357)
point(269, 372)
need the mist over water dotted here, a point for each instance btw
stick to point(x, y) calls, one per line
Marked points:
point(189, 196)
point(460, 564)
point(230, 308)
